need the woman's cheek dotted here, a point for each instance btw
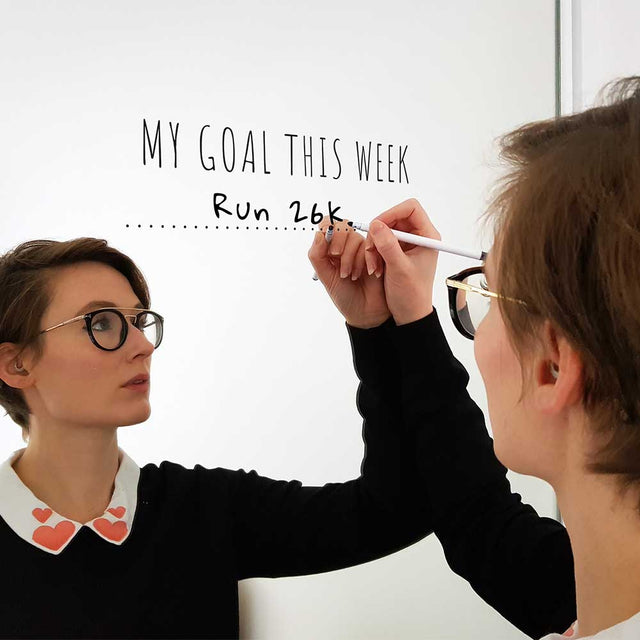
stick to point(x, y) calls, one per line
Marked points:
point(482, 345)
point(488, 355)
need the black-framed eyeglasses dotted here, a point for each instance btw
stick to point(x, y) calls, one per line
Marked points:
point(108, 328)
point(468, 311)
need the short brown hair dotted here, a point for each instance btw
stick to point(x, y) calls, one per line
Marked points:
point(567, 217)
point(26, 272)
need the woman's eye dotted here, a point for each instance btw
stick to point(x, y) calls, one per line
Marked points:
point(101, 325)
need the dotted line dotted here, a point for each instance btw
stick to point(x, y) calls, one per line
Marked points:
point(162, 226)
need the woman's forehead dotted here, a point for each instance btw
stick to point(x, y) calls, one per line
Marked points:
point(78, 284)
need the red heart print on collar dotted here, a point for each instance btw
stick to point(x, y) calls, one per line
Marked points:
point(42, 514)
point(112, 530)
point(118, 512)
point(54, 538)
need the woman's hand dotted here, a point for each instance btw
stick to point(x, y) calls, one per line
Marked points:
point(384, 276)
point(359, 297)
point(409, 270)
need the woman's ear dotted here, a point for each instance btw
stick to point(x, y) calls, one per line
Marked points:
point(558, 373)
point(12, 368)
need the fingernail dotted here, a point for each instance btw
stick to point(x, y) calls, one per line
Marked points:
point(354, 276)
point(376, 227)
point(369, 267)
point(343, 274)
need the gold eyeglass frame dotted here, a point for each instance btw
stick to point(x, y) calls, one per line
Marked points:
point(454, 283)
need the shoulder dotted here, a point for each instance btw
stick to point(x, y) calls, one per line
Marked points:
point(172, 478)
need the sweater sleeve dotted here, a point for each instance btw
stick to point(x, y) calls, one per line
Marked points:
point(282, 528)
point(518, 562)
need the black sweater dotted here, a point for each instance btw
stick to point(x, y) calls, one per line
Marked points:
point(429, 463)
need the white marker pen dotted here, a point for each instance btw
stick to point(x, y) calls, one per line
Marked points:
point(430, 243)
point(328, 235)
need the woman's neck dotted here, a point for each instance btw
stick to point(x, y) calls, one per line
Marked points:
point(72, 470)
point(604, 528)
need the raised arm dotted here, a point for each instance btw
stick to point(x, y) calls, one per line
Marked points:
point(283, 528)
point(518, 562)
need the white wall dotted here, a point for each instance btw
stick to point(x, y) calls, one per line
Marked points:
point(600, 43)
point(261, 377)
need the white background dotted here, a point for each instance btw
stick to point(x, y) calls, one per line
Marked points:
point(599, 43)
point(255, 370)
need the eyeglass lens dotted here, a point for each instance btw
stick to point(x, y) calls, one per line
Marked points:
point(471, 306)
point(108, 329)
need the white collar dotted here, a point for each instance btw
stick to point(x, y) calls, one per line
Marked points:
point(38, 524)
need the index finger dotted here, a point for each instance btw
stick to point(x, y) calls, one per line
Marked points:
point(324, 224)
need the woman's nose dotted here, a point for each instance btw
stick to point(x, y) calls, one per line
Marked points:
point(135, 333)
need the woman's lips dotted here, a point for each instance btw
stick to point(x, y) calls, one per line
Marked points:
point(143, 386)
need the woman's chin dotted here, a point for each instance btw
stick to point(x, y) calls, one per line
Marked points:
point(136, 417)
point(505, 454)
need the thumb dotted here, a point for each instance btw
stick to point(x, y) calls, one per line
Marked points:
point(387, 244)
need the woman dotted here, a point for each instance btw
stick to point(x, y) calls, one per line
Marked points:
point(558, 347)
point(94, 546)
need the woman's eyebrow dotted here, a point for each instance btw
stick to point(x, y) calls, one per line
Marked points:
point(104, 303)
